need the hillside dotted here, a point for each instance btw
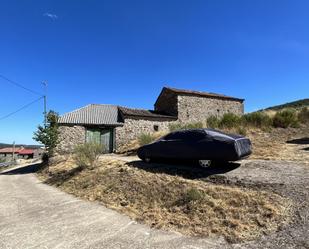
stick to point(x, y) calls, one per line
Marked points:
point(298, 104)
point(4, 145)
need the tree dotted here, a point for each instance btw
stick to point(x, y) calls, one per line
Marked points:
point(48, 135)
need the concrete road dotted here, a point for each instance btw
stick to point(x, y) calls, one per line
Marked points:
point(35, 215)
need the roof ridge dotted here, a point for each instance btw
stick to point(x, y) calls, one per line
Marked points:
point(211, 94)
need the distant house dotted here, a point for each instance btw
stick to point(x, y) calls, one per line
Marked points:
point(113, 126)
point(19, 152)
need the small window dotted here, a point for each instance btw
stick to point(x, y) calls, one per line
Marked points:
point(156, 127)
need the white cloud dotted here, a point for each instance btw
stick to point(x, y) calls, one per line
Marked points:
point(51, 16)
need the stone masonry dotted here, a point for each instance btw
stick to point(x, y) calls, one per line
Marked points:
point(172, 105)
point(69, 137)
point(133, 128)
point(198, 109)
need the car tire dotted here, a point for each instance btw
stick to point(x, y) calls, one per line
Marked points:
point(205, 163)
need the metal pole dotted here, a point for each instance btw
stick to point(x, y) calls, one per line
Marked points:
point(45, 114)
point(13, 155)
point(45, 103)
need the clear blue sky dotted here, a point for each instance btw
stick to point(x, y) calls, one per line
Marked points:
point(123, 52)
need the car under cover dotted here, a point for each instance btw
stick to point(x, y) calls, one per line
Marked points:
point(197, 144)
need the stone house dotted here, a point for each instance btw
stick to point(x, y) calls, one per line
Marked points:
point(113, 126)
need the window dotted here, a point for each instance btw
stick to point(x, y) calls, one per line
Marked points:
point(156, 127)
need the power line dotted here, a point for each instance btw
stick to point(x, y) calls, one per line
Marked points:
point(19, 85)
point(23, 107)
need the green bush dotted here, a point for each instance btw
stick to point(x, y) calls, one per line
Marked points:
point(86, 155)
point(145, 139)
point(184, 126)
point(303, 115)
point(285, 118)
point(213, 122)
point(230, 120)
point(191, 195)
point(257, 119)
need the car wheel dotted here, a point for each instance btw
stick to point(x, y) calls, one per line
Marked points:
point(204, 163)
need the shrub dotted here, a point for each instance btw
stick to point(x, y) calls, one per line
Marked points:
point(213, 122)
point(285, 118)
point(241, 130)
point(145, 139)
point(184, 126)
point(257, 119)
point(86, 155)
point(303, 115)
point(191, 195)
point(229, 120)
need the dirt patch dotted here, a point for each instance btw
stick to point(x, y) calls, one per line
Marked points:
point(172, 202)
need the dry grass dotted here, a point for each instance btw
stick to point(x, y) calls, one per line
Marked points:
point(272, 145)
point(169, 202)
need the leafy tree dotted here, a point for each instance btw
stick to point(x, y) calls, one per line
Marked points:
point(48, 135)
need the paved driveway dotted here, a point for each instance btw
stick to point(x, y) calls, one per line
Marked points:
point(35, 215)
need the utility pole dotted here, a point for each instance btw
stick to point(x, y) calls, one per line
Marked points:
point(13, 154)
point(44, 97)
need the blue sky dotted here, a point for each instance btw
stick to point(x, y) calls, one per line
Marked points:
point(124, 52)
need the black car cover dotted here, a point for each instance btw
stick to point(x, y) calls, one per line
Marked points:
point(197, 144)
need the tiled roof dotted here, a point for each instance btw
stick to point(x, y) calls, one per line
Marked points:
point(10, 150)
point(144, 113)
point(25, 152)
point(201, 94)
point(93, 114)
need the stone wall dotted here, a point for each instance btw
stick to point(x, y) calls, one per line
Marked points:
point(69, 137)
point(196, 109)
point(133, 128)
point(167, 103)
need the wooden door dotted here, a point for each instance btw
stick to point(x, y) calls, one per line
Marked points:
point(106, 140)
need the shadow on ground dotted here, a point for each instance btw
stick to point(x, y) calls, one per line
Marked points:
point(28, 169)
point(304, 140)
point(185, 171)
point(60, 177)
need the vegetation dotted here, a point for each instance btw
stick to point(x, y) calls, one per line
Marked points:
point(229, 120)
point(286, 118)
point(179, 126)
point(295, 105)
point(191, 195)
point(303, 115)
point(145, 138)
point(48, 135)
point(213, 122)
point(87, 155)
point(257, 119)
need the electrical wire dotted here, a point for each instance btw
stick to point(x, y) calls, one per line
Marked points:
point(23, 107)
point(19, 85)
